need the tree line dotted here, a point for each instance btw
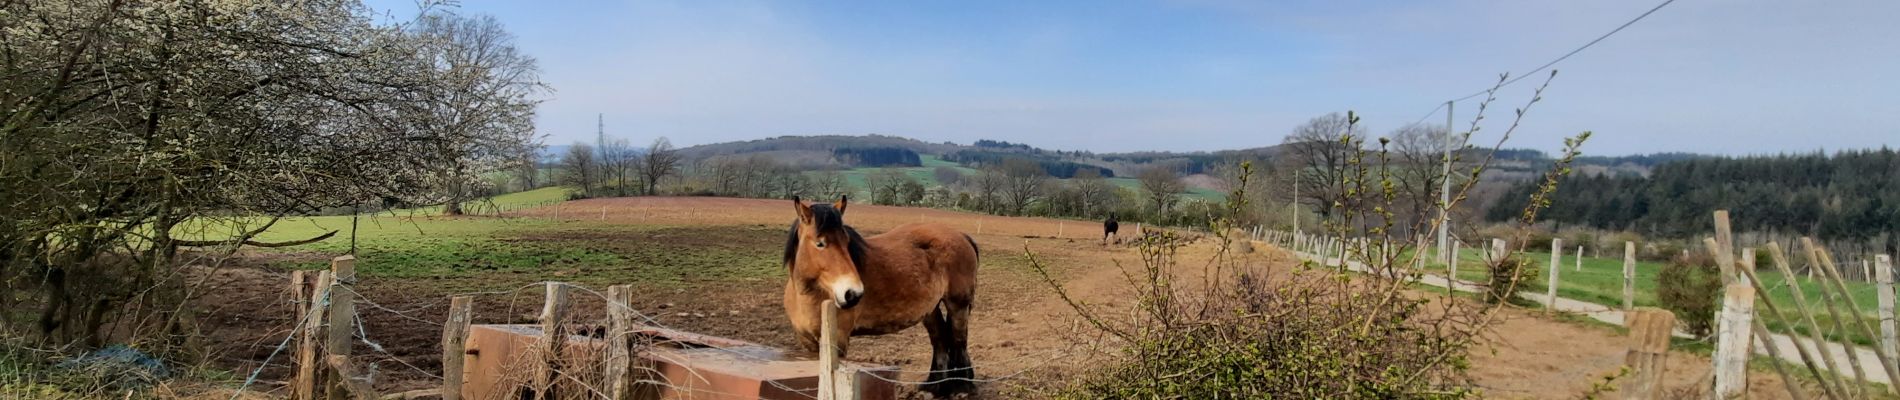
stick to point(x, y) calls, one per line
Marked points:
point(1846, 195)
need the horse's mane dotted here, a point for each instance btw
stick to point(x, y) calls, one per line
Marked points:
point(828, 221)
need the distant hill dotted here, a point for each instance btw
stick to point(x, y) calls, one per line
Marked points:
point(848, 151)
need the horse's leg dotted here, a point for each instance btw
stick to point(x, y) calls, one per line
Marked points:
point(939, 331)
point(958, 322)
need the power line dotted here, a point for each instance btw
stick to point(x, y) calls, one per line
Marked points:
point(1552, 62)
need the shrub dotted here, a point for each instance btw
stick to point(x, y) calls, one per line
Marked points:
point(1507, 277)
point(1303, 334)
point(1690, 286)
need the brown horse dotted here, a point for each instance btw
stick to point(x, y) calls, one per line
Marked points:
point(884, 284)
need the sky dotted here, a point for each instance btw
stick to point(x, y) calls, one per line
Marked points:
point(1730, 77)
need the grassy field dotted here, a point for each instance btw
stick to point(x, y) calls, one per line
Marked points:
point(421, 244)
point(1601, 281)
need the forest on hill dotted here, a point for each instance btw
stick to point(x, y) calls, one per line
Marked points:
point(1847, 195)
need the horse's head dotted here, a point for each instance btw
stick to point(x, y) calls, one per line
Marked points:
point(823, 254)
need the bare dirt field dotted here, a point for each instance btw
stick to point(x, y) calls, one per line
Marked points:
point(1024, 338)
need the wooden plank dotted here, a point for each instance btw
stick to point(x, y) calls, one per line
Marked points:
point(827, 351)
point(304, 385)
point(1732, 330)
point(1648, 352)
point(454, 346)
point(1629, 275)
point(619, 342)
point(342, 319)
point(346, 373)
point(1836, 387)
point(553, 310)
point(1556, 265)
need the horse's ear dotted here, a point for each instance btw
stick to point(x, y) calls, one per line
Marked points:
point(842, 201)
point(804, 211)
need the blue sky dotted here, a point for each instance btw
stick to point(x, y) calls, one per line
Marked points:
point(1725, 77)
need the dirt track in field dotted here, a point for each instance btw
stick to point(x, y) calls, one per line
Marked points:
point(1024, 336)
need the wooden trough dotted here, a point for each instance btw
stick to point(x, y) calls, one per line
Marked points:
point(692, 366)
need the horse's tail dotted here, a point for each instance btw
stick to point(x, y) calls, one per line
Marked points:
point(973, 248)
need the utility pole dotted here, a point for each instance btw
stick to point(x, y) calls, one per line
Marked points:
point(600, 129)
point(1444, 191)
point(1296, 202)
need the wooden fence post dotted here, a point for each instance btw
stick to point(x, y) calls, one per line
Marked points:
point(1815, 336)
point(1649, 348)
point(1883, 275)
point(1450, 262)
point(358, 390)
point(1732, 344)
point(827, 351)
point(553, 309)
point(1579, 257)
point(304, 385)
point(454, 346)
point(1887, 364)
point(1831, 298)
point(619, 341)
point(338, 339)
point(1725, 257)
point(298, 295)
point(1629, 275)
point(1556, 265)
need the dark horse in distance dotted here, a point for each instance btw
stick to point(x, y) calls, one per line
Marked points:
point(920, 272)
point(1109, 227)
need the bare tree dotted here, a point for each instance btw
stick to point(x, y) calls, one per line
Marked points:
point(755, 175)
point(1318, 153)
point(1091, 190)
point(662, 160)
point(725, 173)
point(788, 182)
point(829, 184)
point(1418, 167)
point(579, 168)
point(1022, 184)
point(528, 172)
point(1163, 187)
point(886, 185)
point(486, 92)
point(620, 167)
point(987, 183)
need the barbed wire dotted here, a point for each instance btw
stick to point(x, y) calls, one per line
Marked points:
point(327, 292)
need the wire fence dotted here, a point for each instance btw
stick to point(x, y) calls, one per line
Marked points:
point(364, 333)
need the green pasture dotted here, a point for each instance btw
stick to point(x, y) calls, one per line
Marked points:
point(1600, 281)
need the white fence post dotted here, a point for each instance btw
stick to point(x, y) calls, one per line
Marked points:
point(1629, 276)
point(1556, 262)
point(1883, 274)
